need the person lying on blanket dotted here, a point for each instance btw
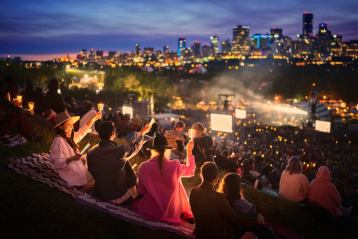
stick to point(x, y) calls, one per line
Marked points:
point(65, 154)
point(159, 181)
point(108, 164)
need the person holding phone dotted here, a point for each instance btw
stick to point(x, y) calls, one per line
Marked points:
point(65, 154)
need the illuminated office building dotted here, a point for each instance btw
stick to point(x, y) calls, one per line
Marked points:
point(240, 40)
point(196, 49)
point(215, 44)
point(307, 24)
point(207, 51)
point(226, 46)
point(137, 49)
point(181, 45)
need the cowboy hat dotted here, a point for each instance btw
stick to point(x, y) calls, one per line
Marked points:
point(63, 117)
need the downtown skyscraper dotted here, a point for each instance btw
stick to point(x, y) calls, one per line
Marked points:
point(214, 40)
point(241, 40)
point(307, 24)
point(181, 45)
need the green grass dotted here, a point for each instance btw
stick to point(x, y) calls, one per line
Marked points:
point(33, 209)
point(30, 208)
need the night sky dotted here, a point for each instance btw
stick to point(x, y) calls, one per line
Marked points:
point(66, 26)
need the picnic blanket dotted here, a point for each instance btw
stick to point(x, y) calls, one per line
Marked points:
point(37, 167)
point(185, 229)
point(13, 140)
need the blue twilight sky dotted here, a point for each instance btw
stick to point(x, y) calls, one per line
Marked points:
point(58, 26)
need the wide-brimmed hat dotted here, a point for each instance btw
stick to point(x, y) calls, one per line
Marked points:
point(160, 142)
point(63, 117)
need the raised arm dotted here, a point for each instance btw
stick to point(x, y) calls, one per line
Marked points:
point(188, 169)
point(83, 131)
point(133, 148)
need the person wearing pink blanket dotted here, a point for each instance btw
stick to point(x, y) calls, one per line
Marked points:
point(159, 182)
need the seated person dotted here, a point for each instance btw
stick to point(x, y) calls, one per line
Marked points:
point(176, 140)
point(324, 193)
point(65, 154)
point(214, 217)
point(53, 100)
point(203, 149)
point(230, 186)
point(109, 166)
point(159, 181)
point(262, 180)
point(294, 185)
point(223, 161)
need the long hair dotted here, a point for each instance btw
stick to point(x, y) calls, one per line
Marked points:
point(70, 140)
point(160, 159)
point(294, 165)
point(230, 186)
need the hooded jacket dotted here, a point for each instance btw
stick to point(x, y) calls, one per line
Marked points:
point(324, 192)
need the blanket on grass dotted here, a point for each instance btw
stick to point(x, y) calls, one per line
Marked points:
point(13, 140)
point(37, 167)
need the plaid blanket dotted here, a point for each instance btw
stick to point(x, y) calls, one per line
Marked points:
point(13, 140)
point(37, 167)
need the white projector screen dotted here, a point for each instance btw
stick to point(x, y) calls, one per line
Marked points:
point(220, 122)
point(323, 126)
point(240, 114)
point(127, 110)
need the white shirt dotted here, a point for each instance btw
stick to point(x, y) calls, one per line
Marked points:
point(75, 173)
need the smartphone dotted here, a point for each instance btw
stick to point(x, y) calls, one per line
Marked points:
point(86, 148)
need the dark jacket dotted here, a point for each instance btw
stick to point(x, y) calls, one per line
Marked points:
point(214, 217)
point(112, 173)
point(54, 101)
point(203, 149)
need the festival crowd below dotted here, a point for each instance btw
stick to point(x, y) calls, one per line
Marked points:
point(295, 164)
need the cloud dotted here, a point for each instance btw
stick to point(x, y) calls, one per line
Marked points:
point(159, 22)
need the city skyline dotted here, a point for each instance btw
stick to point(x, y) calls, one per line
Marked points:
point(46, 27)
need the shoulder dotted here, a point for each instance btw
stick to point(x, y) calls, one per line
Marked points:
point(143, 166)
point(284, 173)
point(195, 191)
point(302, 177)
point(58, 140)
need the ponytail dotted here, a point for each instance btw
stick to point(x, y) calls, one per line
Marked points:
point(160, 160)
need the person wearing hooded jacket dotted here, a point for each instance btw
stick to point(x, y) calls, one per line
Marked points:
point(324, 193)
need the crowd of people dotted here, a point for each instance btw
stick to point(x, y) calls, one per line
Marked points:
point(279, 160)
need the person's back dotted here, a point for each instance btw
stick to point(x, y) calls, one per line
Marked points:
point(294, 187)
point(159, 181)
point(214, 217)
point(54, 100)
point(113, 175)
point(324, 193)
point(203, 150)
point(207, 206)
